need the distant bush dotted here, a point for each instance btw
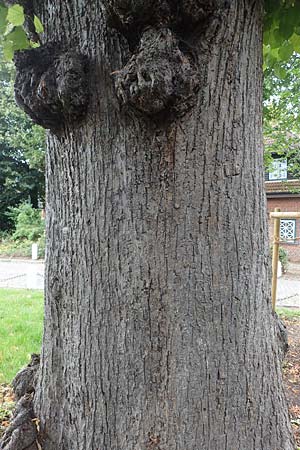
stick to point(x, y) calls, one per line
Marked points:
point(15, 249)
point(28, 223)
point(29, 227)
point(21, 248)
point(41, 247)
point(283, 258)
point(4, 235)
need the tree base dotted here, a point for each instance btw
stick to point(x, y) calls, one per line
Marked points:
point(23, 431)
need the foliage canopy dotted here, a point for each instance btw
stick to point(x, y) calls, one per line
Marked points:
point(21, 152)
point(281, 33)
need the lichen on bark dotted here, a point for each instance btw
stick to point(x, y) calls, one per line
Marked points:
point(159, 76)
point(51, 85)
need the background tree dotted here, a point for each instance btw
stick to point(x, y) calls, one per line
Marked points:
point(281, 83)
point(22, 152)
point(282, 113)
point(158, 325)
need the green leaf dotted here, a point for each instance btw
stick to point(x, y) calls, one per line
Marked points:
point(3, 15)
point(295, 40)
point(8, 50)
point(16, 15)
point(34, 44)
point(286, 51)
point(280, 72)
point(38, 25)
point(19, 39)
point(278, 38)
point(288, 21)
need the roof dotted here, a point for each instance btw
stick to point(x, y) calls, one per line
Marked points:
point(286, 186)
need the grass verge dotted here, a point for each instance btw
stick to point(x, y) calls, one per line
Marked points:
point(288, 312)
point(21, 321)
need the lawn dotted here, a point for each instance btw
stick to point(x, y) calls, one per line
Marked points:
point(287, 312)
point(21, 321)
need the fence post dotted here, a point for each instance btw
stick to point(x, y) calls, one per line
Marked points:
point(34, 251)
point(276, 238)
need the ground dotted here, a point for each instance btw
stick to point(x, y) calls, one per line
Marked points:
point(291, 373)
point(17, 273)
point(288, 289)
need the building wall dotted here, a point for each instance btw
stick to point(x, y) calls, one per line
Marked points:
point(291, 204)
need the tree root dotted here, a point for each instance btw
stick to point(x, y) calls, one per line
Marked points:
point(22, 433)
point(282, 336)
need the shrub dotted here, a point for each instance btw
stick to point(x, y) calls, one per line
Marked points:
point(283, 258)
point(4, 235)
point(28, 222)
point(41, 247)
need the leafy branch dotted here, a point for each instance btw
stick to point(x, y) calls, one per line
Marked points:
point(13, 34)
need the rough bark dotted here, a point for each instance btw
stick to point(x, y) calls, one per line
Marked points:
point(158, 325)
point(159, 77)
point(22, 432)
point(25, 381)
point(51, 85)
point(132, 15)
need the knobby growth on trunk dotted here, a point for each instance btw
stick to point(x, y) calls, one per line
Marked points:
point(51, 85)
point(159, 76)
point(158, 325)
point(163, 75)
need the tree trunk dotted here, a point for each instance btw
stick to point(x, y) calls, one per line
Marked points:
point(158, 325)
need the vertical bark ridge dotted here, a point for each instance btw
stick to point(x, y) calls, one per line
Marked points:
point(158, 326)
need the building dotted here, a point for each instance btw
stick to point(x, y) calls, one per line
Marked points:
point(283, 191)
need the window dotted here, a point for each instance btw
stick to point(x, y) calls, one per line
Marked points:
point(288, 230)
point(278, 170)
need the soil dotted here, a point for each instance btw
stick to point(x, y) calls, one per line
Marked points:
point(6, 406)
point(291, 375)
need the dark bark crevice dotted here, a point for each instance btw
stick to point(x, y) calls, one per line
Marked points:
point(133, 15)
point(22, 433)
point(51, 85)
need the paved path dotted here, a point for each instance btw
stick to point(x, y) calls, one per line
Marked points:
point(288, 288)
point(21, 274)
point(288, 292)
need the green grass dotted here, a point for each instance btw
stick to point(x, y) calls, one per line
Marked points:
point(21, 321)
point(287, 312)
